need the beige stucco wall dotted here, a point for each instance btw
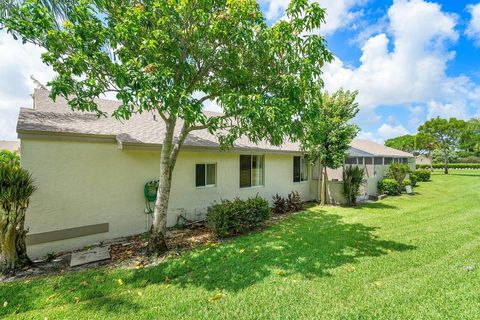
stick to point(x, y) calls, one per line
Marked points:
point(85, 183)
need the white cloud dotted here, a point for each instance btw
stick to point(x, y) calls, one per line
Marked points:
point(473, 29)
point(407, 65)
point(17, 63)
point(367, 135)
point(447, 110)
point(339, 12)
point(387, 131)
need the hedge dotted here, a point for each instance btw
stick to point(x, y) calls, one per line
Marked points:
point(230, 217)
point(450, 166)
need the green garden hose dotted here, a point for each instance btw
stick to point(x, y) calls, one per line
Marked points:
point(150, 193)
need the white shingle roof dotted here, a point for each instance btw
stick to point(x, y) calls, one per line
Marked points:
point(56, 117)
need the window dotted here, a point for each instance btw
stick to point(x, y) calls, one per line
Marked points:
point(405, 160)
point(350, 160)
point(300, 169)
point(205, 174)
point(359, 160)
point(368, 160)
point(251, 171)
point(378, 160)
point(388, 160)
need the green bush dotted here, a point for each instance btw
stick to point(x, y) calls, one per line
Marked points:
point(230, 217)
point(450, 165)
point(413, 179)
point(422, 174)
point(398, 172)
point(389, 186)
point(406, 182)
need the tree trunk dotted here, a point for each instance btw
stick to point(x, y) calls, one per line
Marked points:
point(446, 163)
point(429, 155)
point(158, 231)
point(324, 185)
point(8, 250)
point(20, 243)
point(13, 250)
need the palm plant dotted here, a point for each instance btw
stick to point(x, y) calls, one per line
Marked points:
point(8, 156)
point(352, 181)
point(16, 187)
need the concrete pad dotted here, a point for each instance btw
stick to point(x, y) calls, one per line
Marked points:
point(409, 190)
point(89, 256)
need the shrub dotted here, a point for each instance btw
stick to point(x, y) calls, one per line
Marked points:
point(398, 171)
point(389, 186)
point(413, 179)
point(406, 182)
point(230, 217)
point(469, 159)
point(352, 180)
point(279, 204)
point(292, 203)
point(422, 174)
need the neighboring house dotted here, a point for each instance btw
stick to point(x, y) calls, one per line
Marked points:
point(12, 146)
point(91, 173)
point(423, 159)
point(374, 158)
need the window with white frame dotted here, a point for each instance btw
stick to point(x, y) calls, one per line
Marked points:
point(205, 174)
point(300, 169)
point(251, 171)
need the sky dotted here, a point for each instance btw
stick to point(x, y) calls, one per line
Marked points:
point(410, 60)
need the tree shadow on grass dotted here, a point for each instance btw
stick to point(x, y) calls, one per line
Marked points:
point(374, 205)
point(308, 245)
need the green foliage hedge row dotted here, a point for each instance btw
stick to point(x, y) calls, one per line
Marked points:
point(450, 165)
point(230, 217)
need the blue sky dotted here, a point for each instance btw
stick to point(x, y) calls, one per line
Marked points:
point(410, 60)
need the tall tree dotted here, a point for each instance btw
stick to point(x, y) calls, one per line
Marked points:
point(445, 133)
point(168, 57)
point(406, 143)
point(470, 138)
point(328, 131)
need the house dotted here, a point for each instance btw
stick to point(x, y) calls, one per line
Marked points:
point(423, 159)
point(91, 173)
point(12, 146)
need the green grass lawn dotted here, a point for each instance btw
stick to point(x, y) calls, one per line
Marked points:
point(403, 257)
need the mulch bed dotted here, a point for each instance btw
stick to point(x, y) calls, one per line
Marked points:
point(177, 240)
point(129, 252)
